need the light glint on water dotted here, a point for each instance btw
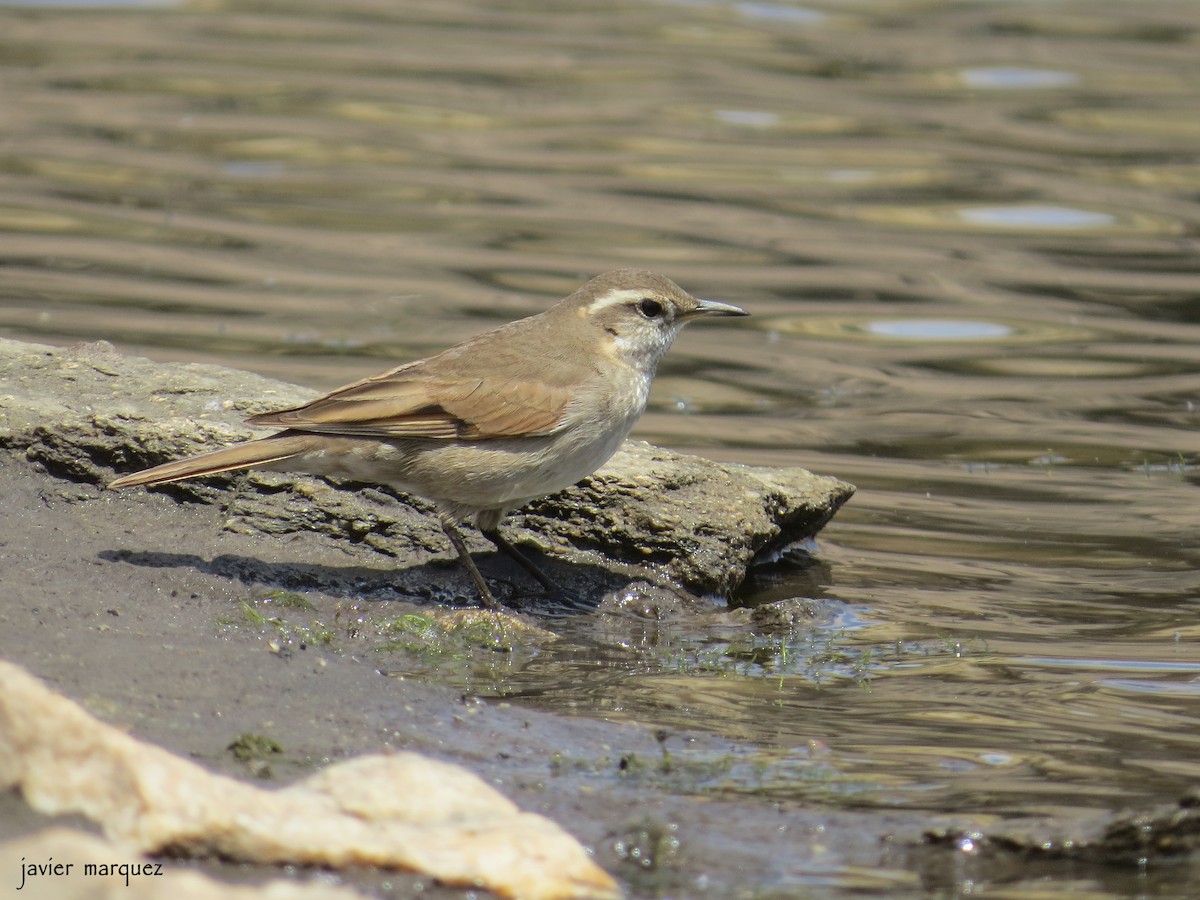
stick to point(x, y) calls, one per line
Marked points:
point(1035, 216)
point(1004, 77)
point(938, 329)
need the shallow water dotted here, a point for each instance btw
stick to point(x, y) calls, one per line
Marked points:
point(967, 235)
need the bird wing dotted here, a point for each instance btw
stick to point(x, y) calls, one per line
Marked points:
point(407, 402)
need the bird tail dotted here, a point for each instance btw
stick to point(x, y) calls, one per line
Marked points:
point(263, 452)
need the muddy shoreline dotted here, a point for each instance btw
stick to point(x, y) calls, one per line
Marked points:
point(156, 615)
point(144, 647)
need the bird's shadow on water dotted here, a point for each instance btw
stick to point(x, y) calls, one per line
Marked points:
point(582, 584)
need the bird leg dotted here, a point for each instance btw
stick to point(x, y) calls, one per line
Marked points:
point(496, 537)
point(485, 593)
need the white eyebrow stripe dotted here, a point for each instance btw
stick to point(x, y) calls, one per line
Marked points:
point(615, 298)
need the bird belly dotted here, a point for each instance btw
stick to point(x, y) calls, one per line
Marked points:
point(503, 474)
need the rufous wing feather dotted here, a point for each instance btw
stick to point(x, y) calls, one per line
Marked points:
point(239, 456)
point(400, 405)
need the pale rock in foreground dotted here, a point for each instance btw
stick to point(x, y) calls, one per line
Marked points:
point(400, 811)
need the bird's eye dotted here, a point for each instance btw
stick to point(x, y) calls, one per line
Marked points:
point(649, 308)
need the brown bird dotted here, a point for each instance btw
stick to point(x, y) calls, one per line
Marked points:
point(513, 414)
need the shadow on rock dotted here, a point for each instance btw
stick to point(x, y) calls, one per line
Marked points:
point(443, 582)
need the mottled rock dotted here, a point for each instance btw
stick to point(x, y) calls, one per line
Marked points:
point(87, 412)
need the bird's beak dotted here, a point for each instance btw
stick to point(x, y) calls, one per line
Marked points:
point(713, 308)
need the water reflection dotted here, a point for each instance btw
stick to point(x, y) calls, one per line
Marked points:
point(939, 330)
point(776, 12)
point(1005, 77)
point(1017, 218)
point(974, 296)
point(917, 329)
point(1036, 217)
